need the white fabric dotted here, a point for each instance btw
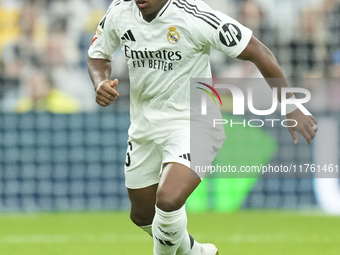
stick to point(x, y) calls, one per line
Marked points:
point(160, 69)
point(144, 158)
point(185, 246)
point(168, 229)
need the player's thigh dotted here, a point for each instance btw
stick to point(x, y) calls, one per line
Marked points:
point(143, 204)
point(142, 169)
point(177, 183)
point(178, 180)
point(193, 150)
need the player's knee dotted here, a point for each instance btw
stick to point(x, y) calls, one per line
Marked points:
point(141, 219)
point(169, 201)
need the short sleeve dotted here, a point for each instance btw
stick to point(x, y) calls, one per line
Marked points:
point(223, 32)
point(105, 41)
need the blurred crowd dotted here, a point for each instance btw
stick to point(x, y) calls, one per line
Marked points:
point(44, 43)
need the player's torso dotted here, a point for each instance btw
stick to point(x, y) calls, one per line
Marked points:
point(153, 48)
point(161, 56)
point(161, 48)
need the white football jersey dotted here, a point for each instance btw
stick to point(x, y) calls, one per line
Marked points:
point(163, 55)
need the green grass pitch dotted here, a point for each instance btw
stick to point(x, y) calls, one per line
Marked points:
point(112, 233)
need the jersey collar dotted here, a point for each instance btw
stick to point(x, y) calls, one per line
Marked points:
point(164, 9)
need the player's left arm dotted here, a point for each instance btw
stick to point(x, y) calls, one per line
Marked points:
point(267, 64)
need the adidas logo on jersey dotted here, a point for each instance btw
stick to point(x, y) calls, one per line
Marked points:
point(186, 156)
point(128, 36)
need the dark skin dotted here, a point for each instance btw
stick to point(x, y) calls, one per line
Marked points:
point(150, 8)
point(176, 183)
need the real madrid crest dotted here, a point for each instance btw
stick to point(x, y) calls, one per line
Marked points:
point(173, 35)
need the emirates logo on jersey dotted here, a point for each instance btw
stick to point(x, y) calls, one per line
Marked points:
point(231, 35)
point(173, 35)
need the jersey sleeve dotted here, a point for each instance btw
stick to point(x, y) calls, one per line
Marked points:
point(222, 32)
point(105, 41)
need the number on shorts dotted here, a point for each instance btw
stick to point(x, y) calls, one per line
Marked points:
point(128, 163)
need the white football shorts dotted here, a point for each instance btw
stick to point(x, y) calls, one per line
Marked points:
point(145, 158)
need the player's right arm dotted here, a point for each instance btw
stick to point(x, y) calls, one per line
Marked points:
point(104, 44)
point(100, 72)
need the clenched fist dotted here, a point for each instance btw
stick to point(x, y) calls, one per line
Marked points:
point(106, 92)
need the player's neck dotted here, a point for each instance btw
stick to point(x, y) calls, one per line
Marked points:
point(148, 17)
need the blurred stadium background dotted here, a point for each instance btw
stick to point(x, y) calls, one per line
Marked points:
point(60, 152)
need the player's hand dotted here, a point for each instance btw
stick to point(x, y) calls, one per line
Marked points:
point(106, 92)
point(306, 126)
